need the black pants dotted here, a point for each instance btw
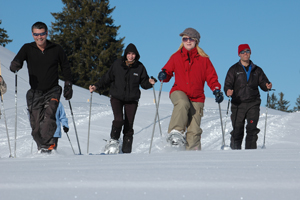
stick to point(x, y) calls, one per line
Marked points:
point(42, 106)
point(125, 118)
point(240, 113)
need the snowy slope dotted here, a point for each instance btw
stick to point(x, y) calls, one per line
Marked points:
point(272, 173)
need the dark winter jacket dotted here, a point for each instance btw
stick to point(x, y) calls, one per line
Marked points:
point(43, 65)
point(125, 81)
point(243, 91)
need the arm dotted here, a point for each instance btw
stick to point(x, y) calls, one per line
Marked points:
point(264, 82)
point(18, 60)
point(229, 82)
point(211, 76)
point(145, 80)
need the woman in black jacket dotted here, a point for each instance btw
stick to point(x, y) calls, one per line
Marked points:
point(124, 77)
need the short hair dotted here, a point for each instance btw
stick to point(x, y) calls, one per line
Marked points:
point(39, 25)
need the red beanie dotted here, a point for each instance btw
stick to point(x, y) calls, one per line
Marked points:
point(242, 47)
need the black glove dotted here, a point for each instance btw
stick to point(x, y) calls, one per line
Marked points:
point(15, 66)
point(68, 91)
point(219, 96)
point(162, 75)
point(66, 129)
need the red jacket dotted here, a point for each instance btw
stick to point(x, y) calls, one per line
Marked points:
point(191, 71)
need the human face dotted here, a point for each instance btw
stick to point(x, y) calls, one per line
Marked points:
point(245, 55)
point(188, 43)
point(130, 56)
point(40, 40)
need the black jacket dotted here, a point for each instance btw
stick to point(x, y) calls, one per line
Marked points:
point(243, 91)
point(125, 81)
point(43, 66)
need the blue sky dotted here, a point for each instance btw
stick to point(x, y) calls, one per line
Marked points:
point(270, 27)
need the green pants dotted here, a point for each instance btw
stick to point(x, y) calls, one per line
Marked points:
point(187, 116)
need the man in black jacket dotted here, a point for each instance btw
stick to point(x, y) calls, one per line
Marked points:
point(43, 58)
point(241, 83)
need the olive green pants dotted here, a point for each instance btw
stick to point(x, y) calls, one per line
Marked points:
point(187, 116)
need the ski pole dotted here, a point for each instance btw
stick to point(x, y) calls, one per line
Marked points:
point(16, 86)
point(70, 142)
point(155, 116)
point(265, 132)
point(88, 141)
point(75, 127)
point(223, 135)
point(2, 105)
point(156, 105)
point(229, 100)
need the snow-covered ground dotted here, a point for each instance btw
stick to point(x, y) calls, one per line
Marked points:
point(271, 173)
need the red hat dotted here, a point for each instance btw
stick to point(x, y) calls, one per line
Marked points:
point(242, 47)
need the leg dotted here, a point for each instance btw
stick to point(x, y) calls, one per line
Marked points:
point(55, 139)
point(179, 118)
point(130, 111)
point(251, 128)
point(193, 134)
point(238, 122)
point(117, 107)
point(48, 125)
point(34, 105)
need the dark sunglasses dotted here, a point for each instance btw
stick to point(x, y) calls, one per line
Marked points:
point(245, 51)
point(185, 39)
point(41, 34)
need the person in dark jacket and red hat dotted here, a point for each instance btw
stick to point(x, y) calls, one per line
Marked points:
point(124, 77)
point(192, 68)
point(43, 59)
point(241, 83)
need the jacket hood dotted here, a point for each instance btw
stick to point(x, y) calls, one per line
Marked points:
point(131, 48)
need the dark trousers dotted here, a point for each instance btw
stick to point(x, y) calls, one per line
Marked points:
point(42, 106)
point(240, 113)
point(124, 114)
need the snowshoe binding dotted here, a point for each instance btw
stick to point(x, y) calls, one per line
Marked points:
point(176, 139)
point(112, 147)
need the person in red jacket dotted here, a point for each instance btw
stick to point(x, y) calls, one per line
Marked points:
point(192, 68)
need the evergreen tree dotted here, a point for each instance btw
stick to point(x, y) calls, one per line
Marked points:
point(272, 101)
point(297, 108)
point(282, 104)
point(3, 36)
point(86, 32)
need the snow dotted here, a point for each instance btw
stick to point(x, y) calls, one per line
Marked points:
point(271, 173)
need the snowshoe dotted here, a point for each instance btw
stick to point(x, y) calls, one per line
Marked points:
point(176, 139)
point(112, 147)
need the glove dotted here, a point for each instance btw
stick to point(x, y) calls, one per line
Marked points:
point(162, 75)
point(219, 96)
point(15, 66)
point(68, 91)
point(66, 129)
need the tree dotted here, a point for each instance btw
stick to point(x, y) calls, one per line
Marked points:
point(86, 32)
point(3, 36)
point(297, 107)
point(282, 104)
point(272, 101)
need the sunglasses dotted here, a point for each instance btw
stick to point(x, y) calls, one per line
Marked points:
point(185, 39)
point(245, 51)
point(41, 34)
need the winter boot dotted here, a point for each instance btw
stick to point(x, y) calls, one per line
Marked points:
point(176, 138)
point(235, 145)
point(127, 144)
point(251, 142)
point(116, 130)
point(112, 147)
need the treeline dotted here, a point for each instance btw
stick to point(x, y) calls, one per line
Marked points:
point(279, 103)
